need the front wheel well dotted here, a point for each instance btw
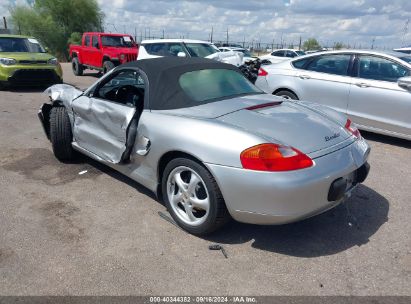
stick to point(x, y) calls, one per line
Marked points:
point(107, 58)
point(73, 55)
point(285, 89)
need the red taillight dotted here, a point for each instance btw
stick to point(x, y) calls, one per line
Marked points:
point(352, 129)
point(272, 157)
point(262, 72)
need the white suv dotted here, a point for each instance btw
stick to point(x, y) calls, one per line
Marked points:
point(186, 48)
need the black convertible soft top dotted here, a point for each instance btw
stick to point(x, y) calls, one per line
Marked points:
point(165, 92)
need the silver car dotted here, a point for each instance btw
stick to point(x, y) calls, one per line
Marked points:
point(211, 144)
point(372, 88)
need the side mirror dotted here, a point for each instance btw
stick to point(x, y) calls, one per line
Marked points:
point(47, 49)
point(405, 82)
point(96, 45)
point(181, 54)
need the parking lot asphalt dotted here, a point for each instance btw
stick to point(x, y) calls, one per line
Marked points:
point(99, 233)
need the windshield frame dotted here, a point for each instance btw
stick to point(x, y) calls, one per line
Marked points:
point(245, 52)
point(29, 43)
point(206, 45)
point(121, 38)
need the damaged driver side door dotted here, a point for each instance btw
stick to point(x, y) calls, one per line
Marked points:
point(105, 121)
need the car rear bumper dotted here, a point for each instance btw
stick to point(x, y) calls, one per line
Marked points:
point(283, 197)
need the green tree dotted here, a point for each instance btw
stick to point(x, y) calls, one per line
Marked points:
point(75, 38)
point(53, 22)
point(311, 44)
point(338, 46)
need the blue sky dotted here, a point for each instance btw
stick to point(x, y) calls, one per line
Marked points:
point(357, 22)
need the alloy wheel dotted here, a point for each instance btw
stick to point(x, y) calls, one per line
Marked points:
point(188, 196)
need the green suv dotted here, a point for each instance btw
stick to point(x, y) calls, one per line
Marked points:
point(23, 61)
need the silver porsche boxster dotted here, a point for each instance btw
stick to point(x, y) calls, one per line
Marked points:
point(209, 143)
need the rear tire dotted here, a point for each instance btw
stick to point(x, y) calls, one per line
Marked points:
point(77, 67)
point(107, 66)
point(61, 136)
point(199, 207)
point(287, 95)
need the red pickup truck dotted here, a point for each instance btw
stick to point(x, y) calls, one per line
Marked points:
point(102, 51)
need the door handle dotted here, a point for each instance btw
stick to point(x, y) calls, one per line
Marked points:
point(304, 76)
point(362, 84)
point(146, 144)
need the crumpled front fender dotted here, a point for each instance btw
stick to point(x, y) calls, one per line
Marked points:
point(62, 93)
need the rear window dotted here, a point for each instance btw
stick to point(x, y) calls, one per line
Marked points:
point(299, 64)
point(205, 85)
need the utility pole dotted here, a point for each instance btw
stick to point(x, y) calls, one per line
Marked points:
point(100, 23)
point(5, 22)
point(163, 34)
point(227, 36)
point(282, 40)
point(211, 34)
point(372, 43)
point(299, 45)
point(405, 32)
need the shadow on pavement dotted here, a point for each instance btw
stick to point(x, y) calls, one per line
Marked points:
point(350, 224)
point(26, 89)
point(93, 73)
point(387, 139)
point(119, 176)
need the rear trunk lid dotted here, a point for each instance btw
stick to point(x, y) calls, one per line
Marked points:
point(301, 126)
point(290, 124)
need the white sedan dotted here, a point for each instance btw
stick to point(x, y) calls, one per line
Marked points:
point(281, 55)
point(372, 88)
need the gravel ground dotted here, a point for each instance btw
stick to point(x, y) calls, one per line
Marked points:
point(99, 233)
